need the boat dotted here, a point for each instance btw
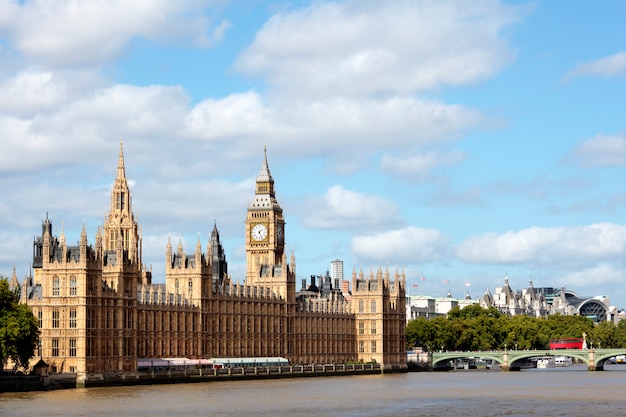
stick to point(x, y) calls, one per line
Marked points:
point(466, 363)
point(527, 363)
point(546, 362)
point(562, 361)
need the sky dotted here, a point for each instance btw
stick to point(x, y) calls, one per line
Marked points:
point(461, 142)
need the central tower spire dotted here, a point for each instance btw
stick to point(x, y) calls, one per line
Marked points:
point(121, 171)
point(121, 231)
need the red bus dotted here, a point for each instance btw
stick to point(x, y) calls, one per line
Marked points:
point(568, 343)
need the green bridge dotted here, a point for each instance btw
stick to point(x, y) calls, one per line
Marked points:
point(511, 360)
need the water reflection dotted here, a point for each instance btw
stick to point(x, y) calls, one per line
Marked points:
point(568, 391)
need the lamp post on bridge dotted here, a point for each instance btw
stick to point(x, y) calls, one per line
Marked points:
point(505, 359)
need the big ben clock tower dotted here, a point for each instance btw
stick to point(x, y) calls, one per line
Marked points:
point(265, 239)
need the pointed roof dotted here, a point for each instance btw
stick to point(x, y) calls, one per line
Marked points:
point(14, 283)
point(120, 194)
point(264, 197)
point(264, 175)
point(83, 236)
point(215, 234)
point(121, 171)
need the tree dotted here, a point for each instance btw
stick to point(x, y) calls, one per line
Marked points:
point(477, 328)
point(19, 332)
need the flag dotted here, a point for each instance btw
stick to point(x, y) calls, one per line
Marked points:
point(414, 285)
point(467, 284)
point(445, 281)
point(423, 278)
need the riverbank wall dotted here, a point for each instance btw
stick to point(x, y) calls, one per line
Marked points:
point(180, 376)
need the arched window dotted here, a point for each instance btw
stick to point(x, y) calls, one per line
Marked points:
point(373, 307)
point(56, 285)
point(176, 286)
point(190, 286)
point(72, 285)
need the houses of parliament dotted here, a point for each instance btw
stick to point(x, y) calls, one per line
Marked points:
point(99, 312)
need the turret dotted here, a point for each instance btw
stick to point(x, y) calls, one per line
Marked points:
point(168, 253)
point(83, 244)
point(99, 243)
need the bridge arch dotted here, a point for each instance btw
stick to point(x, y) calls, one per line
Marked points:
point(450, 356)
point(595, 359)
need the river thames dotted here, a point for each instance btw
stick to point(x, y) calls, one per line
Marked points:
point(547, 392)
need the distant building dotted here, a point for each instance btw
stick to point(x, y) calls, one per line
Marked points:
point(336, 270)
point(530, 301)
point(431, 307)
point(336, 273)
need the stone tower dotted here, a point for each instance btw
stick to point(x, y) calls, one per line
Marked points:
point(266, 260)
point(379, 306)
point(121, 242)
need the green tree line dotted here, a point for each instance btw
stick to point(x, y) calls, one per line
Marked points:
point(19, 333)
point(475, 328)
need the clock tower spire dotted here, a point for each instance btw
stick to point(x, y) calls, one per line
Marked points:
point(265, 238)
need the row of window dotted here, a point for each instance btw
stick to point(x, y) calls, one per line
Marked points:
point(56, 286)
point(56, 318)
point(56, 347)
point(372, 327)
point(177, 286)
point(362, 306)
point(362, 346)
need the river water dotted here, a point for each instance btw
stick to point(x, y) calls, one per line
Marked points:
point(553, 392)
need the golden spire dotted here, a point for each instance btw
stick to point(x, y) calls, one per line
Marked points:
point(121, 171)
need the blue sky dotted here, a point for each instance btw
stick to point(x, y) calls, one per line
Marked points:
point(461, 141)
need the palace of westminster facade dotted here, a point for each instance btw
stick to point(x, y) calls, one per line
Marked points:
point(99, 312)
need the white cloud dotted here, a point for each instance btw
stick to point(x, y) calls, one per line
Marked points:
point(75, 131)
point(553, 247)
point(340, 208)
point(592, 280)
point(421, 164)
point(411, 245)
point(31, 90)
point(610, 66)
point(600, 151)
point(376, 47)
point(444, 196)
point(331, 128)
point(235, 116)
point(78, 33)
point(54, 122)
point(191, 206)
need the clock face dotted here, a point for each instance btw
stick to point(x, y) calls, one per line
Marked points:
point(259, 232)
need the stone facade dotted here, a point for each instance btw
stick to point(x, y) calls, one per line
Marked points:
point(99, 310)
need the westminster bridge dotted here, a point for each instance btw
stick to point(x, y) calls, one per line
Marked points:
point(511, 360)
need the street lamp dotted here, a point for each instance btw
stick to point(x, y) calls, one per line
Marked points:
point(515, 346)
point(505, 347)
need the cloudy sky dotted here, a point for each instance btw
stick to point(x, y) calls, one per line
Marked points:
point(462, 141)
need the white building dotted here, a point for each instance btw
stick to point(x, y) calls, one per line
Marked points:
point(531, 301)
